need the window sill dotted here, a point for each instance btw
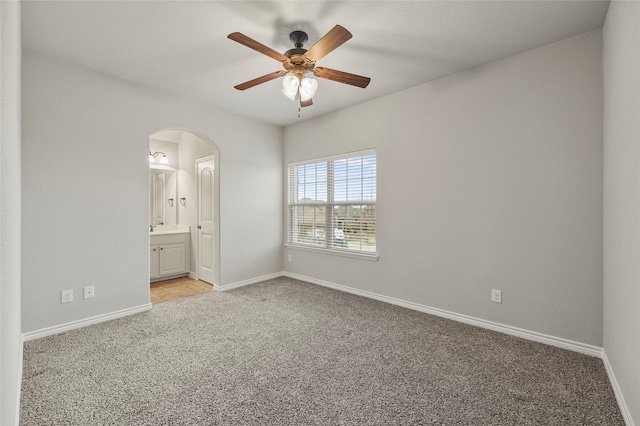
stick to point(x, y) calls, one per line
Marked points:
point(373, 257)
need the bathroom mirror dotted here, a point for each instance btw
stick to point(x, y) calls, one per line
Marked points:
point(163, 201)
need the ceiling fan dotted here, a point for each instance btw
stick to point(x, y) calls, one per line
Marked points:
point(298, 62)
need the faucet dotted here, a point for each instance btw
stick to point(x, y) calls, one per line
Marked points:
point(151, 226)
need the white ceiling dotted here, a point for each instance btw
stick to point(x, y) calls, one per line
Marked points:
point(181, 47)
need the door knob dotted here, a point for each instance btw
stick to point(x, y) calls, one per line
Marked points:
point(199, 227)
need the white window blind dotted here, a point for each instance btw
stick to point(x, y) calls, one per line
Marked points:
point(332, 203)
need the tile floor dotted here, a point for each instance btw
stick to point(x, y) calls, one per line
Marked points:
point(164, 291)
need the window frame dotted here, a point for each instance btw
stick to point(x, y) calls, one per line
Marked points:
point(329, 205)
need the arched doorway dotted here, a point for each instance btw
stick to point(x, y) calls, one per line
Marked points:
point(184, 171)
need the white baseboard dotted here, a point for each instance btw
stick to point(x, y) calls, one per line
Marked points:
point(231, 286)
point(622, 403)
point(169, 277)
point(502, 328)
point(56, 329)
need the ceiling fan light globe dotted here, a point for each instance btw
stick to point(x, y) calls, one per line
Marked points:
point(304, 95)
point(308, 88)
point(290, 83)
point(310, 84)
point(289, 95)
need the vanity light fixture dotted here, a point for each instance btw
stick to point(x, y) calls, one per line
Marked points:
point(162, 160)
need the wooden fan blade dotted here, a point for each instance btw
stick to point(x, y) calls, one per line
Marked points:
point(260, 80)
point(342, 77)
point(257, 46)
point(306, 103)
point(330, 41)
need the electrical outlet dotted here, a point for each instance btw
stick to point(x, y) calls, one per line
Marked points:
point(496, 296)
point(89, 292)
point(289, 258)
point(66, 296)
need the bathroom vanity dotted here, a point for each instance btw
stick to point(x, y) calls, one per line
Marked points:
point(169, 255)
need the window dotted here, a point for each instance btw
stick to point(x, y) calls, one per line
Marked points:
point(332, 203)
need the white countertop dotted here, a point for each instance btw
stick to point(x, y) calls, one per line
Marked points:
point(170, 229)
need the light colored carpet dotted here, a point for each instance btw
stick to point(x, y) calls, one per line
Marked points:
point(291, 353)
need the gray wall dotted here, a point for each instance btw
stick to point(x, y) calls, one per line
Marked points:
point(621, 59)
point(86, 197)
point(490, 178)
point(10, 208)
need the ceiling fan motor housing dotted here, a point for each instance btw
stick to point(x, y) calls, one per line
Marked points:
point(298, 63)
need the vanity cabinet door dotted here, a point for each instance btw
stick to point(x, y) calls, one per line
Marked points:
point(169, 256)
point(172, 259)
point(154, 261)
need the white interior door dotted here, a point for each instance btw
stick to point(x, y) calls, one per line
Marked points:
point(206, 242)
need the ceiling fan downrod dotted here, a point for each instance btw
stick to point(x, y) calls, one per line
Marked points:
point(298, 38)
